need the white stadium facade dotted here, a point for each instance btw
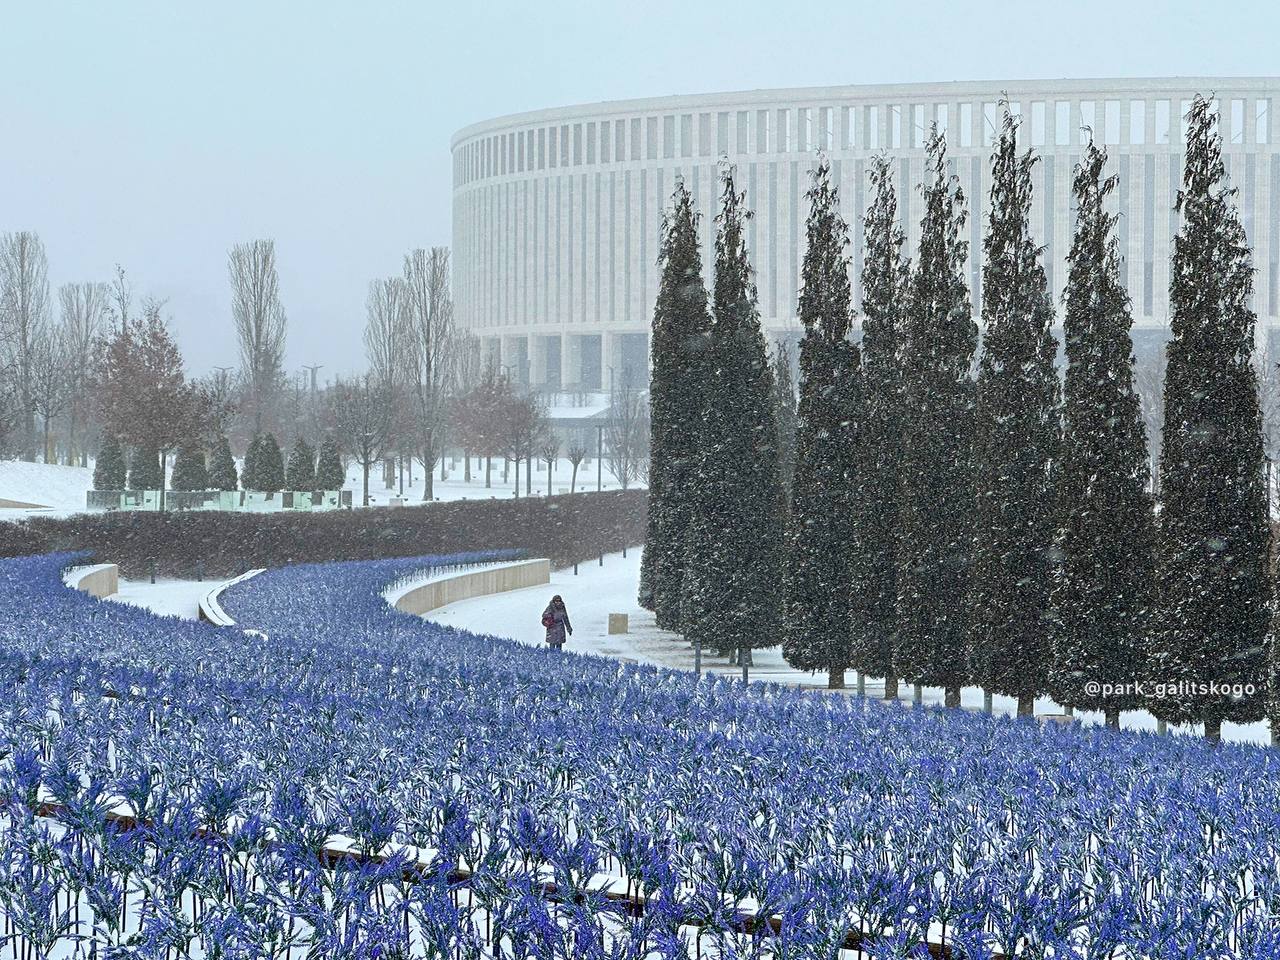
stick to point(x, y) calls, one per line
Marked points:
point(556, 213)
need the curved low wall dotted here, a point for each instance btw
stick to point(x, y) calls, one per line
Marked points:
point(98, 580)
point(498, 578)
point(210, 606)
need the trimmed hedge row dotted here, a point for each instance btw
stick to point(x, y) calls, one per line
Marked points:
point(568, 529)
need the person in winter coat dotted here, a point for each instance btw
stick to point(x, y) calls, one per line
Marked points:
point(556, 619)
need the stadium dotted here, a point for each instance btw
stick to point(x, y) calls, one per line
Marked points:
point(556, 213)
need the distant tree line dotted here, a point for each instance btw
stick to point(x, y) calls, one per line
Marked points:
point(962, 516)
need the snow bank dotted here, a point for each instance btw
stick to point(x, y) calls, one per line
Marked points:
point(43, 486)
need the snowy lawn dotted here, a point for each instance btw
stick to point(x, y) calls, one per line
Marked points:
point(28, 489)
point(454, 487)
point(51, 488)
point(169, 598)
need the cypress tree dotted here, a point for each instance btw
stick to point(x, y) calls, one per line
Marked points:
point(189, 472)
point(272, 477)
point(109, 469)
point(251, 474)
point(301, 472)
point(875, 543)
point(815, 627)
point(1016, 441)
point(263, 465)
point(681, 321)
point(1214, 537)
point(330, 474)
point(1103, 591)
point(784, 406)
point(145, 470)
point(222, 467)
point(730, 591)
point(935, 542)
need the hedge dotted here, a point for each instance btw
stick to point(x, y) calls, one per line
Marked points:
point(568, 529)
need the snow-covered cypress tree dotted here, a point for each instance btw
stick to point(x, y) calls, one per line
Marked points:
point(935, 513)
point(145, 470)
point(1016, 435)
point(730, 596)
point(1106, 570)
point(874, 548)
point(330, 473)
point(251, 474)
point(784, 405)
point(263, 465)
point(222, 467)
point(109, 469)
point(1214, 538)
point(681, 321)
point(189, 472)
point(301, 471)
point(815, 626)
point(272, 477)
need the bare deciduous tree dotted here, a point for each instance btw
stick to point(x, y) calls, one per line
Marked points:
point(550, 453)
point(627, 435)
point(24, 324)
point(362, 421)
point(50, 387)
point(575, 455)
point(259, 321)
point(217, 404)
point(429, 356)
point(524, 429)
point(85, 308)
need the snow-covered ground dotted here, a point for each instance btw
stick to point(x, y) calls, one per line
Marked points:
point(454, 487)
point(43, 488)
point(597, 591)
point(170, 598)
point(28, 489)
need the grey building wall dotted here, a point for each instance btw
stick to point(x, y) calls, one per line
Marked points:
point(556, 213)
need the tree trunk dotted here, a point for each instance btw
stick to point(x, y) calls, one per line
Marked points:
point(891, 686)
point(528, 475)
point(573, 479)
point(466, 466)
point(488, 471)
point(365, 468)
point(951, 698)
point(1113, 718)
point(1213, 729)
point(917, 693)
point(1026, 705)
point(504, 470)
point(835, 677)
point(986, 702)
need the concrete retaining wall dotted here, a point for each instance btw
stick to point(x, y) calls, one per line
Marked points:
point(211, 606)
point(99, 580)
point(477, 583)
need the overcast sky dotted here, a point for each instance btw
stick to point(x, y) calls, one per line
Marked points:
point(156, 135)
